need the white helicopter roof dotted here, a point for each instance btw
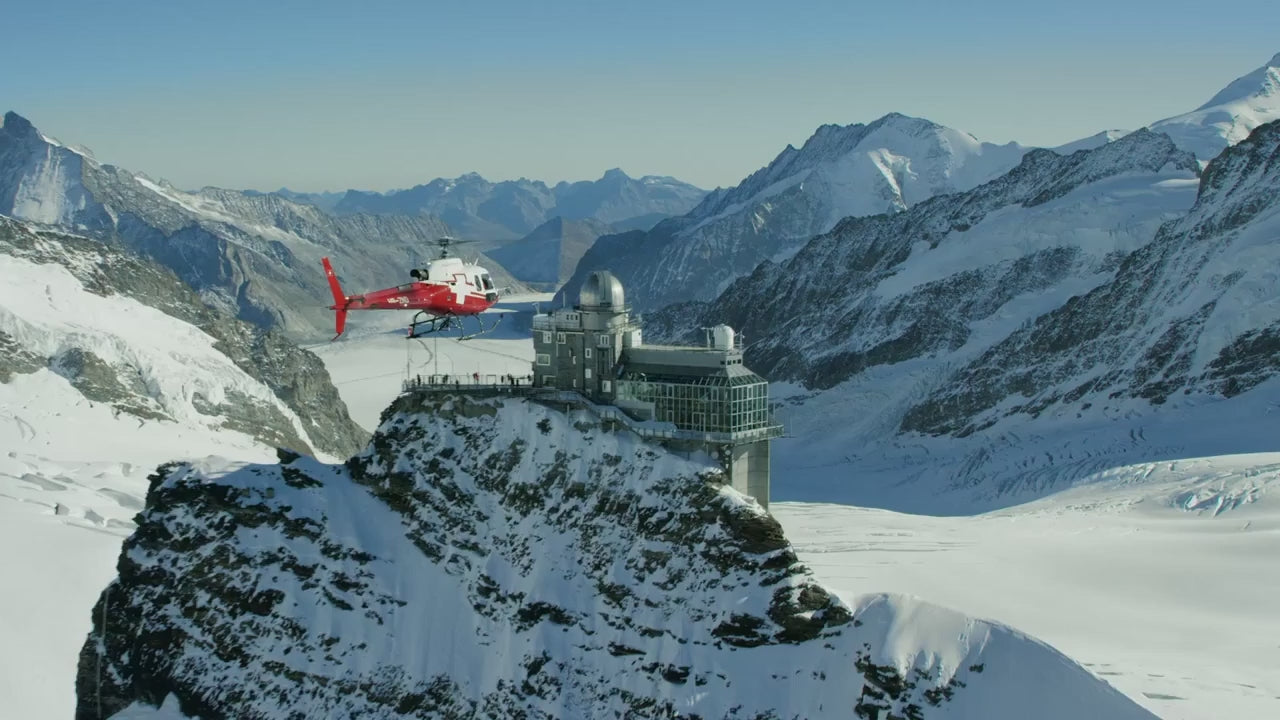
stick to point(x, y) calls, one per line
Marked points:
point(444, 269)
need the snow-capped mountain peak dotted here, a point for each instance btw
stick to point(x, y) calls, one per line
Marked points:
point(1230, 115)
point(1262, 82)
point(884, 166)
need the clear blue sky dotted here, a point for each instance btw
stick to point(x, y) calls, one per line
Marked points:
point(376, 95)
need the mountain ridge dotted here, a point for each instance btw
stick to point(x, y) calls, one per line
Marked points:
point(508, 209)
point(883, 166)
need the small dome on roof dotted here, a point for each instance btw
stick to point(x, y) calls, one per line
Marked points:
point(602, 289)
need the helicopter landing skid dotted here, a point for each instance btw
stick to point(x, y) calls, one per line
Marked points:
point(440, 323)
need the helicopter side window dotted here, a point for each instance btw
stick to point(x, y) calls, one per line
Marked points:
point(475, 280)
point(488, 283)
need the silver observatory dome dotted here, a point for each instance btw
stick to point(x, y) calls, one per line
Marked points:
point(602, 290)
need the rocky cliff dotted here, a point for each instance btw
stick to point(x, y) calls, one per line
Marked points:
point(496, 558)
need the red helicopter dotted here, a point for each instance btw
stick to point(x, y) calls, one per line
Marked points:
point(443, 293)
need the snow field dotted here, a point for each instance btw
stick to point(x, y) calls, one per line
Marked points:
point(1175, 608)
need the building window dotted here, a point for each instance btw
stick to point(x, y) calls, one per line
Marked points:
point(575, 382)
point(603, 341)
point(546, 337)
point(560, 338)
point(587, 373)
point(544, 359)
point(604, 386)
point(586, 353)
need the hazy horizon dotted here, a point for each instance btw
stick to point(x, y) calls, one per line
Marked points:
point(320, 96)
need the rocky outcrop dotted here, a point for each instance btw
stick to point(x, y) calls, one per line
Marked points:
point(496, 558)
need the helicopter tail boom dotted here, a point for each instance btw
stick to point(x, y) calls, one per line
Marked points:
point(340, 300)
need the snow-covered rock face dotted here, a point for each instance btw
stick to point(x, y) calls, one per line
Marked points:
point(1194, 312)
point(1229, 116)
point(41, 180)
point(855, 170)
point(128, 334)
point(495, 558)
point(959, 272)
point(509, 209)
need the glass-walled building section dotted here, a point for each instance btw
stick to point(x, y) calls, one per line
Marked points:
point(720, 402)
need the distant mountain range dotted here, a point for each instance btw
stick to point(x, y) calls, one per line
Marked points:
point(545, 258)
point(886, 166)
point(479, 209)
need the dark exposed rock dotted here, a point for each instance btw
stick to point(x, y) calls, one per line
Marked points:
point(15, 359)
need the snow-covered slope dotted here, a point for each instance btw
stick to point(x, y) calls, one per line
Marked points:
point(40, 179)
point(1153, 575)
point(1229, 116)
point(495, 557)
point(1195, 312)
point(127, 333)
point(505, 210)
point(853, 170)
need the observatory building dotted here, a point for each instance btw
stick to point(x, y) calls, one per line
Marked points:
point(690, 398)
